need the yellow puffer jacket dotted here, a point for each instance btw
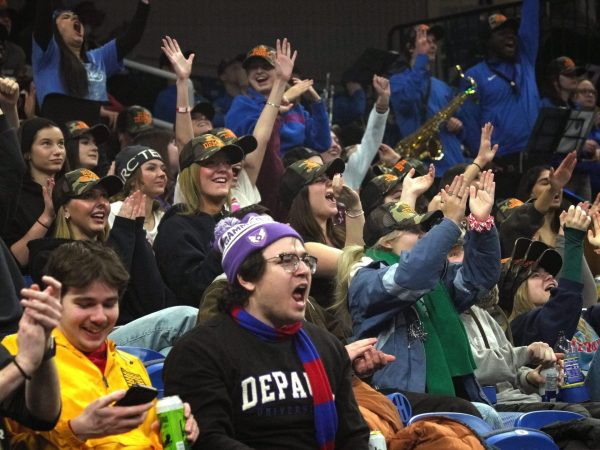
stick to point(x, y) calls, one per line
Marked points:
point(81, 382)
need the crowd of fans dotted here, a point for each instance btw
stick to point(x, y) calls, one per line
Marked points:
point(293, 271)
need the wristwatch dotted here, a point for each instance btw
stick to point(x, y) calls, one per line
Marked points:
point(51, 352)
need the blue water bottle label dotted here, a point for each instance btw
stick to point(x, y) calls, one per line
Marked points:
point(573, 372)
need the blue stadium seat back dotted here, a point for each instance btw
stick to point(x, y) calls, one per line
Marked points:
point(520, 439)
point(403, 406)
point(155, 373)
point(509, 418)
point(539, 419)
point(478, 425)
point(145, 354)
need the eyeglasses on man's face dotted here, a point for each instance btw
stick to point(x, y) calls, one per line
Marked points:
point(291, 262)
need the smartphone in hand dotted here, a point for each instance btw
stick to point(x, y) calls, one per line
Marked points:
point(138, 394)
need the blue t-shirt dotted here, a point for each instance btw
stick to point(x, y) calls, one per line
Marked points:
point(102, 63)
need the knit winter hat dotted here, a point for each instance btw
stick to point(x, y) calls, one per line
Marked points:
point(29, 129)
point(236, 239)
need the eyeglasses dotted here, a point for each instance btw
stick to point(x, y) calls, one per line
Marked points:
point(593, 92)
point(290, 262)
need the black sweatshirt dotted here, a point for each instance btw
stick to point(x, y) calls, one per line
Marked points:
point(246, 393)
point(184, 255)
point(145, 293)
point(12, 170)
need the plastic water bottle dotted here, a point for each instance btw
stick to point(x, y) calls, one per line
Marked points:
point(550, 388)
point(562, 343)
point(377, 441)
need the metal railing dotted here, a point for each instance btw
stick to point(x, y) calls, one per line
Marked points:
point(150, 70)
point(568, 27)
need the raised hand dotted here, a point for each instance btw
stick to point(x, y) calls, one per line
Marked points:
point(181, 66)
point(9, 91)
point(381, 86)
point(387, 155)
point(345, 194)
point(560, 177)
point(577, 219)
point(481, 200)
point(454, 199)
point(284, 59)
point(422, 41)
point(486, 151)
point(418, 185)
point(594, 236)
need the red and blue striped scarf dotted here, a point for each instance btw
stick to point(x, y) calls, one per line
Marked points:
point(326, 420)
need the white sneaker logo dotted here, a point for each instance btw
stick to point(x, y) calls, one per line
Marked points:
point(491, 78)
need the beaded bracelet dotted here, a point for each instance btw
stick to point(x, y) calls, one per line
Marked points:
point(273, 105)
point(480, 227)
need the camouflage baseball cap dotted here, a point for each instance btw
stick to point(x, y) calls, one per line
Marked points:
point(77, 128)
point(206, 145)
point(563, 65)
point(396, 216)
point(247, 143)
point(77, 182)
point(372, 195)
point(134, 120)
point(305, 172)
point(263, 52)
point(526, 257)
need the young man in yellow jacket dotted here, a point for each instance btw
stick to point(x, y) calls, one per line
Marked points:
point(93, 374)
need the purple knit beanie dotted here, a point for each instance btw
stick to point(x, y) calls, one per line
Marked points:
point(236, 238)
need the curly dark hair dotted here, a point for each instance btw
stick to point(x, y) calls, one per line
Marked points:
point(252, 269)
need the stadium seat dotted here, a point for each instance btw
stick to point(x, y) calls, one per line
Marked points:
point(145, 354)
point(155, 372)
point(520, 439)
point(478, 425)
point(539, 419)
point(403, 406)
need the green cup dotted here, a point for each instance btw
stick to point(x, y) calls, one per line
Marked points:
point(172, 423)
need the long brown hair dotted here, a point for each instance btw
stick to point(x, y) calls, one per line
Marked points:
point(302, 219)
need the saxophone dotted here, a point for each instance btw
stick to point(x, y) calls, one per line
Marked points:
point(425, 143)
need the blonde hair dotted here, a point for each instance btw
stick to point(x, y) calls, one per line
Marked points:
point(63, 231)
point(190, 190)
point(189, 187)
point(521, 303)
point(349, 257)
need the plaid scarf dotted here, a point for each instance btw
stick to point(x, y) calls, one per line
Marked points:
point(326, 420)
